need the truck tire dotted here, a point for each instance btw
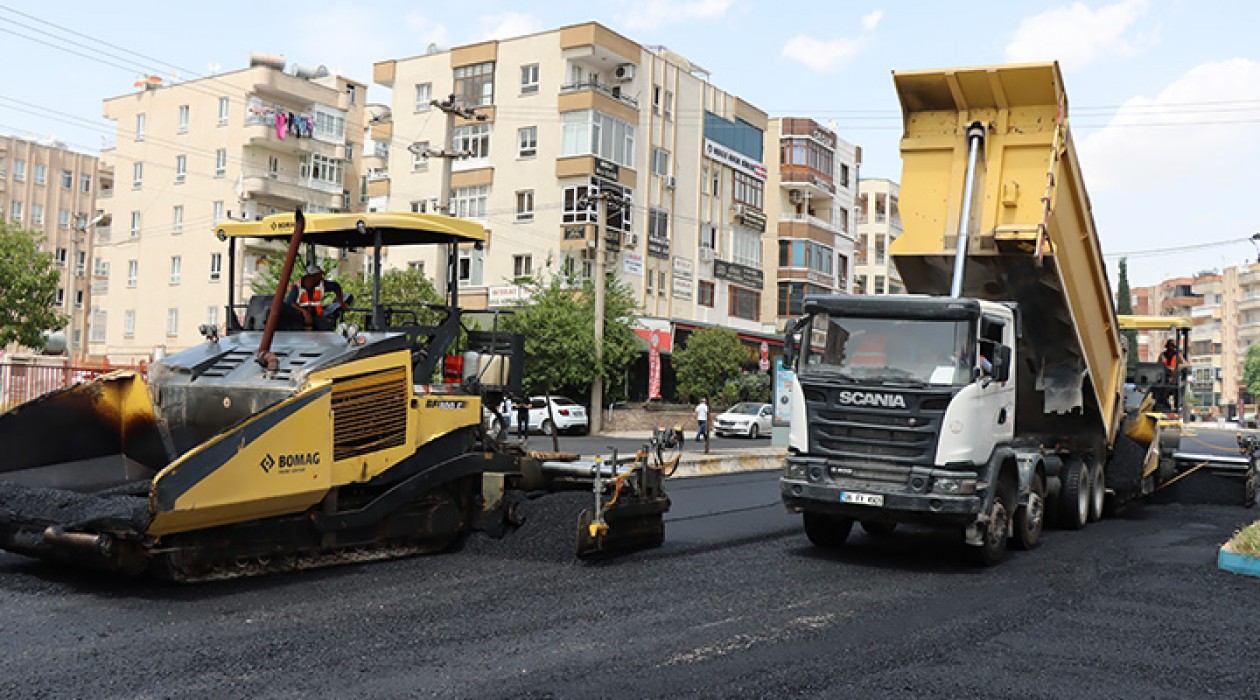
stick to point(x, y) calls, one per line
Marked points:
point(827, 531)
point(1031, 518)
point(878, 528)
point(994, 547)
point(1073, 505)
point(1097, 493)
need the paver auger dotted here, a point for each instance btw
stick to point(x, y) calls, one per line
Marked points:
point(276, 448)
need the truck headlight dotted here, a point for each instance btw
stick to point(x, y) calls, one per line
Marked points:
point(953, 487)
point(794, 470)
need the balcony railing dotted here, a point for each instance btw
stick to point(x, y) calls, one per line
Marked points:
point(613, 91)
point(811, 220)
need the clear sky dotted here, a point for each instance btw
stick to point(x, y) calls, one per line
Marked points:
point(1164, 94)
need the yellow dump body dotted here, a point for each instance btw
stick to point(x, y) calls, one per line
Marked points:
point(1031, 236)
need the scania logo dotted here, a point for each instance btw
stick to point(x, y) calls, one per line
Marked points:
point(870, 398)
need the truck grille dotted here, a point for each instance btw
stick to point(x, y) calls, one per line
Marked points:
point(369, 413)
point(879, 444)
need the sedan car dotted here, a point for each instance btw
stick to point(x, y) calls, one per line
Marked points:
point(746, 418)
point(569, 415)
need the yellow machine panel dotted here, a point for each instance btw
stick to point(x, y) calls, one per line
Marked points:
point(1030, 231)
point(277, 462)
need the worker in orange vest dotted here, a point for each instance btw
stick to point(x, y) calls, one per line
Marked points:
point(310, 295)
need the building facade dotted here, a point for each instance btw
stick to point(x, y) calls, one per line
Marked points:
point(579, 111)
point(244, 144)
point(879, 224)
point(47, 188)
point(814, 207)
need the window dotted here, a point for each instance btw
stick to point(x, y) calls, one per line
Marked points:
point(172, 322)
point(61, 257)
point(843, 219)
point(80, 263)
point(41, 174)
point(522, 266)
point(660, 161)
point(85, 184)
point(224, 110)
point(656, 99)
point(424, 95)
point(420, 157)
point(100, 267)
point(2, 173)
point(844, 175)
point(416, 266)
point(879, 284)
point(61, 297)
point(746, 246)
point(135, 224)
point(470, 267)
point(573, 212)
point(19, 171)
point(715, 187)
point(220, 162)
point(140, 127)
point(216, 266)
point(78, 298)
point(473, 140)
point(318, 169)
point(705, 294)
point(177, 263)
point(525, 205)
point(273, 166)
point(177, 219)
point(217, 214)
point(474, 85)
point(669, 104)
point(352, 95)
point(527, 142)
point(708, 236)
point(133, 272)
point(96, 333)
point(63, 218)
point(181, 168)
point(15, 211)
point(37, 215)
point(349, 152)
point(183, 119)
point(330, 126)
point(587, 132)
point(647, 284)
point(658, 224)
point(744, 303)
point(67, 179)
point(137, 175)
point(129, 323)
point(470, 202)
point(529, 79)
point(660, 286)
point(748, 190)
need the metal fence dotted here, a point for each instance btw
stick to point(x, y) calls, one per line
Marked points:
point(22, 381)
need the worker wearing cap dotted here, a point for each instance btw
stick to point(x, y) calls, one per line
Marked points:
point(311, 298)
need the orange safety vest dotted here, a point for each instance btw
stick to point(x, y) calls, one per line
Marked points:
point(314, 297)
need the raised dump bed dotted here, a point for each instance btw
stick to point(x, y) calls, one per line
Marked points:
point(1030, 235)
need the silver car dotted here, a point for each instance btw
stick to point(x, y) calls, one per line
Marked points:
point(746, 418)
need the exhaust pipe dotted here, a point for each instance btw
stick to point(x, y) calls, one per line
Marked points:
point(975, 137)
point(98, 543)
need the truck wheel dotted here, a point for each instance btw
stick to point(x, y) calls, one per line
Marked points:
point(878, 528)
point(1074, 495)
point(1030, 519)
point(827, 531)
point(1097, 493)
point(994, 547)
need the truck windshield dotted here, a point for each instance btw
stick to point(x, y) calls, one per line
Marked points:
point(888, 350)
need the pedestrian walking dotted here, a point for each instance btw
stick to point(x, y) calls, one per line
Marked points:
point(702, 419)
point(522, 417)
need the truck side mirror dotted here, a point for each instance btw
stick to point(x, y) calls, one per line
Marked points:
point(1002, 363)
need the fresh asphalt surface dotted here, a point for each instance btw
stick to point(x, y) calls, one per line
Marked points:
point(736, 604)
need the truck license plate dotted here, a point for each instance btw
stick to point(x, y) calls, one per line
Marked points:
point(865, 499)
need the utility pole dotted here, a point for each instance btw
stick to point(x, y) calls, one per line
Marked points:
point(452, 109)
point(604, 200)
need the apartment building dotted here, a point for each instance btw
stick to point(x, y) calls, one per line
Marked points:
point(814, 208)
point(1207, 345)
point(243, 144)
point(48, 188)
point(579, 111)
point(879, 224)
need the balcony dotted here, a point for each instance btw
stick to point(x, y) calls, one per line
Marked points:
point(799, 225)
point(264, 135)
point(1249, 304)
point(807, 181)
point(260, 183)
point(287, 87)
point(613, 91)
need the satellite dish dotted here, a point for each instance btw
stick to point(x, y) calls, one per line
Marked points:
point(433, 48)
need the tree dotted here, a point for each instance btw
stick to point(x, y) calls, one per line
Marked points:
point(28, 289)
point(1124, 305)
point(711, 358)
point(1251, 370)
point(408, 289)
point(558, 322)
point(269, 276)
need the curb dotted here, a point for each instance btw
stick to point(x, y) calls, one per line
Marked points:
point(715, 464)
point(1234, 562)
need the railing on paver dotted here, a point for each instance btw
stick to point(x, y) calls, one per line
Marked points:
point(22, 381)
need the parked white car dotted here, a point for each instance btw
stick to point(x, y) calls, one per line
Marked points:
point(748, 419)
point(570, 416)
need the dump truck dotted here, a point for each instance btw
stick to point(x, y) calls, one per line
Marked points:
point(274, 446)
point(991, 396)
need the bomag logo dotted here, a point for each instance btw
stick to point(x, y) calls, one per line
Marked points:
point(289, 463)
point(870, 398)
point(445, 404)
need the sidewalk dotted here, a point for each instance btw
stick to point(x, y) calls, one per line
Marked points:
point(731, 460)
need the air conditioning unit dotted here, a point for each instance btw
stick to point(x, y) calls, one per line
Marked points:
point(632, 239)
point(738, 209)
point(795, 196)
point(624, 73)
point(671, 182)
point(706, 255)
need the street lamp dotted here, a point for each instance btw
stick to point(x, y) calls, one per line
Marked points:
point(1255, 241)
